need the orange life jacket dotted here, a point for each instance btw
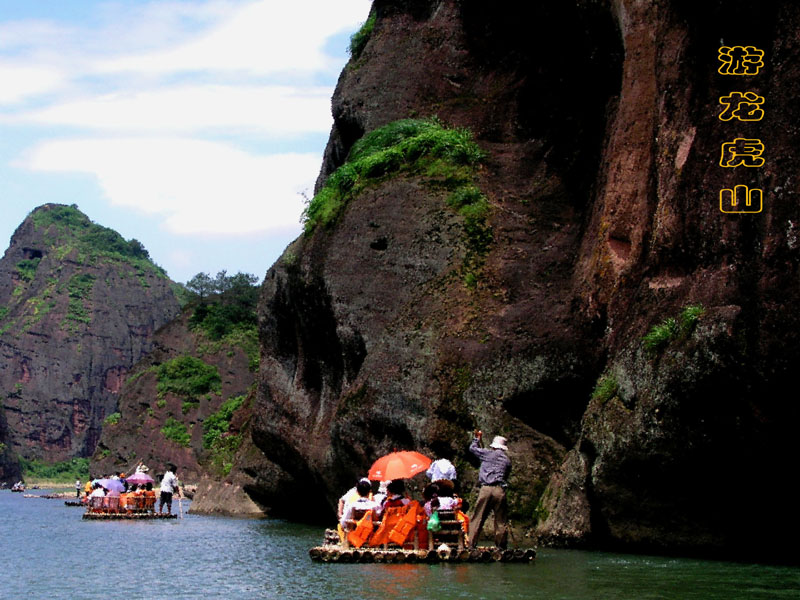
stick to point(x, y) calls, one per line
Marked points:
point(391, 516)
point(363, 530)
point(405, 526)
point(464, 521)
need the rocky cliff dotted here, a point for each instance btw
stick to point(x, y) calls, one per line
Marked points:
point(78, 307)
point(595, 305)
point(164, 402)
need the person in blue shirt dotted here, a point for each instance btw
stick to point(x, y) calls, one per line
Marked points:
point(493, 478)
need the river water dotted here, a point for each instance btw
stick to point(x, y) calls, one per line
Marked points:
point(49, 552)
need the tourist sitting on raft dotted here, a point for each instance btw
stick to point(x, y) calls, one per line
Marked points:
point(363, 503)
point(437, 498)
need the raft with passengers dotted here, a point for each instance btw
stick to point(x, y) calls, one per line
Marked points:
point(388, 526)
point(132, 497)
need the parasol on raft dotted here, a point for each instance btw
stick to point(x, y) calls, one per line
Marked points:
point(398, 465)
point(140, 479)
point(112, 485)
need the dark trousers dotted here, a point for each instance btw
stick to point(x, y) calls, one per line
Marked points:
point(491, 498)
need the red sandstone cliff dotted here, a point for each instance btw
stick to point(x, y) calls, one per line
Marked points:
point(601, 124)
point(78, 307)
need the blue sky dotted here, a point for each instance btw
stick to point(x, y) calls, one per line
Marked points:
point(193, 127)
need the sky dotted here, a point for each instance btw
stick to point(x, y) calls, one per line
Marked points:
point(196, 127)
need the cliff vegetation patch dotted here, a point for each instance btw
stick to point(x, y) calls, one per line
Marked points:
point(672, 328)
point(187, 376)
point(217, 436)
point(416, 146)
point(606, 388)
point(225, 311)
point(360, 38)
point(26, 269)
point(112, 419)
point(70, 229)
point(176, 431)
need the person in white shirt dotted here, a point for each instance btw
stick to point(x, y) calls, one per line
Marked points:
point(169, 486)
point(363, 502)
point(441, 469)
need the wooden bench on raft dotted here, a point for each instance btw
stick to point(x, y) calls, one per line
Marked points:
point(451, 533)
point(383, 529)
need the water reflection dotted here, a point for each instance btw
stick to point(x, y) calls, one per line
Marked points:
point(48, 552)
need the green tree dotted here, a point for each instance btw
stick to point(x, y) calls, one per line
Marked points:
point(201, 285)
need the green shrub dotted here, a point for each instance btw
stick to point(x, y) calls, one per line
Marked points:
point(112, 419)
point(187, 376)
point(4, 310)
point(606, 388)
point(161, 403)
point(223, 453)
point(412, 145)
point(217, 424)
point(27, 268)
point(189, 405)
point(360, 38)
point(177, 432)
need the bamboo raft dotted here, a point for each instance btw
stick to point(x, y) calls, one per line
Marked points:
point(100, 516)
point(339, 554)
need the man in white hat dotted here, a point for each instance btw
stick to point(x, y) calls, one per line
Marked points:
point(493, 477)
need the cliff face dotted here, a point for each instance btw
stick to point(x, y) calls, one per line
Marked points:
point(159, 424)
point(601, 124)
point(78, 307)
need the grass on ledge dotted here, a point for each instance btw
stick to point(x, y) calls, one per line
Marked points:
point(410, 145)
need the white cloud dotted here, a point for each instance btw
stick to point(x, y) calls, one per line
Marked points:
point(270, 36)
point(18, 82)
point(274, 110)
point(199, 187)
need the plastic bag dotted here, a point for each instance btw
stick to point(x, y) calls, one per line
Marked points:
point(433, 522)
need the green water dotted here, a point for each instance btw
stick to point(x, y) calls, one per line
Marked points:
point(49, 552)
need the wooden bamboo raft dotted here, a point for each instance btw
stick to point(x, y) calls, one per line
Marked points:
point(340, 554)
point(125, 516)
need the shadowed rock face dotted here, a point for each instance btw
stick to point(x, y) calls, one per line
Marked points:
point(601, 125)
point(75, 318)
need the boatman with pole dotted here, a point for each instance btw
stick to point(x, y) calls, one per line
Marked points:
point(493, 478)
point(169, 485)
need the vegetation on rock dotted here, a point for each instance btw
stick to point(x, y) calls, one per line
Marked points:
point(672, 329)
point(418, 146)
point(217, 436)
point(607, 387)
point(216, 425)
point(176, 431)
point(27, 268)
point(187, 376)
point(360, 38)
point(93, 239)
point(112, 419)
